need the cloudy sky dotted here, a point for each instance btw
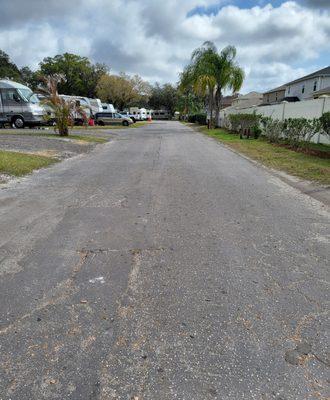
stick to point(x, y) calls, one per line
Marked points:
point(277, 40)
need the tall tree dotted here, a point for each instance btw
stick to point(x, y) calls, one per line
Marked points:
point(7, 68)
point(164, 97)
point(123, 90)
point(30, 78)
point(211, 72)
point(81, 76)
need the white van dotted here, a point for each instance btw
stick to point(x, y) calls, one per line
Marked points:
point(19, 105)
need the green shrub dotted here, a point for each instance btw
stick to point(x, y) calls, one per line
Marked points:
point(272, 129)
point(257, 131)
point(245, 124)
point(325, 123)
point(197, 118)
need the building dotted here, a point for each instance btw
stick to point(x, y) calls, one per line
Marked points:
point(274, 96)
point(305, 87)
point(248, 100)
point(322, 92)
point(227, 101)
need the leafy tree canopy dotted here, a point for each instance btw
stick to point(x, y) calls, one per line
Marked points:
point(123, 90)
point(164, 97)
point(7, 68)
point(81, 76)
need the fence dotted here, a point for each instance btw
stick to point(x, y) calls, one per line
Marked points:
point(301, 109)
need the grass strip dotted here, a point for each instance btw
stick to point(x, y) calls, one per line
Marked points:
point(302, 165)
point(19, 164)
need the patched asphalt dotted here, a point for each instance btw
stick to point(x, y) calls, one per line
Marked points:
point(161, 265)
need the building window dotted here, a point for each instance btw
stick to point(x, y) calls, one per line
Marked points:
point(315, 86)
point(289, 90)
point(303, 89)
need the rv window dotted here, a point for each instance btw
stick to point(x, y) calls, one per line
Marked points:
point(10, 96)
point(27, 95)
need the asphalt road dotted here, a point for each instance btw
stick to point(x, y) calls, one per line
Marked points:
point(162, 266)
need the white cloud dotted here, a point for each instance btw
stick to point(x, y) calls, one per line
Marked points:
point(155, 40)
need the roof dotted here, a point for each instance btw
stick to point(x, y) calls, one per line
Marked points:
point(277, 89)
point(248, 96)
point(326, 90)
point(321, 72)
point(7, 84)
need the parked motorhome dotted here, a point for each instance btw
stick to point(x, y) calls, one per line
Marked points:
point(19, 106)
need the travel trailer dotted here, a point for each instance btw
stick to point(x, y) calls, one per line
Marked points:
point(139, 113)
point(108, 107)
point(95, 104)
point(19, 106)
point(83, 104)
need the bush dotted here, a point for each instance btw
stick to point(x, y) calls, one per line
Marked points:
point(257, 131)
point(197, 118)
point(246, 124)
point(325, 123)
point(235, 122)
point(272, 129)
point(300, 131)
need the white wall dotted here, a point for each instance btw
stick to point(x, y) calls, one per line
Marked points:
point(305, 109)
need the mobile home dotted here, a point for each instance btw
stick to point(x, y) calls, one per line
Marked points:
point(19, 106)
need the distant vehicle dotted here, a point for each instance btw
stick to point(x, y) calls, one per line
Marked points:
point(95, 104)
point(108, 107)
point(105, 118)
point(140, 114)
point(81, 102)
point(161, 114)
point(19, 106)
point(133, 117)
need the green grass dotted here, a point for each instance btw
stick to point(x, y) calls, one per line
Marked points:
point(19, 164)
point(302, 165)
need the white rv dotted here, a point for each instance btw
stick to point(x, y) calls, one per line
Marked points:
point(19, 106)
point(82, 103)
point(138, 113)
point(95, 105)
point(108, 107)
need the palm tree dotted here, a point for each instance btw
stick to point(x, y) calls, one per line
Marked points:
point(211, 72)
point(63, 110)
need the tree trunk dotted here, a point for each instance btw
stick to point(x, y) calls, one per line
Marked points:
point(210, 125)
point(64, 131)
point(218, 98)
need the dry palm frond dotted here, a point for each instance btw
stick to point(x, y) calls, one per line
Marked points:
point(64, 110)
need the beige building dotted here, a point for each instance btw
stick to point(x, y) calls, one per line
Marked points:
point(247, 100)
point(274, 96)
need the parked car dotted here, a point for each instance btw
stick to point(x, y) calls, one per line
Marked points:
point(105, 118)
point(19, 106)
point(128, 115)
